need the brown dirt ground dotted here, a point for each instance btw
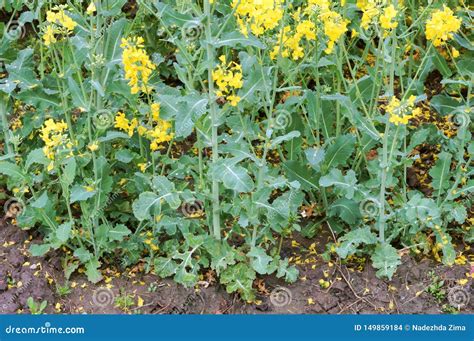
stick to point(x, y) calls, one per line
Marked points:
point(354, 287)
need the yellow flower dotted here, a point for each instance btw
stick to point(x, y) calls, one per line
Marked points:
point(454, 52)
point(48, 35)
point(228, 78)
point(137, 64)
point(402, 112)
point(442, 25)
point(257, 15)
point(122, 123)
point(91, 9)
point(334, 28)
point(386, 19)
point(93, 146)
point(142, 167)
point(52, 134)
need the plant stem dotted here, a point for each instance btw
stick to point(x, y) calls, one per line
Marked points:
point(216, 225)
point(3, 116)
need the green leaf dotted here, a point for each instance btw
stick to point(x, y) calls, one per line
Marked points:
point(290, 273)
point(63, 232)
point(351, 240)
point(83, 255)
point(11, 170)
point(38, 250)
point(92, 271)
point(260, 261)
point(315, 157)
point(36, 156)
point(76, 94)
point(386, 260)
point(299, 172)
point(347, 210)
point(165, 267)
point(444, 105)
point(118, 233)
point(239, 278)
point(339, 152)
point(80, 193)
point(42, 201)
point(345, 184)
point(280, 139)
point(234, 38)
point(144, 204)
point(189, 112)
point(233, 177)
point(124, 155)
point(440, 173)
point(167, 191)
point(69, 171)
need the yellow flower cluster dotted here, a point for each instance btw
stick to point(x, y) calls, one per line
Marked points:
point(372, 9)
point(292, 42)
point(441, 26)
point(386, 19)
point(333, 24)
point(157, 131)
point(59, 23)
point(123, 123)
point(257, 15)
point(334, 27)
point(228, 78)
point(52, 134)
point(137, 64)
point(402, 113)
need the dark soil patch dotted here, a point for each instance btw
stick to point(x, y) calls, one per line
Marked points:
point(354, 287)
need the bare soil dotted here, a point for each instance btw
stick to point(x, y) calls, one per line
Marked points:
point(354, 288)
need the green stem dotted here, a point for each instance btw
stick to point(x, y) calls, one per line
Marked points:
point(216, 225)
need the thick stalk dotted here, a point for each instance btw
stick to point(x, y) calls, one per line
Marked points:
point(5, 124)
point(216, 225)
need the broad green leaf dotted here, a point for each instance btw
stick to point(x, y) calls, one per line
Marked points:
point(118, 233)
point(63, 232)
point(83, 255)
point(12, 171)
point(339, 152)
point(165, 267)
point(81, 193)
point(145, 203)
point(36, 156)
point(42, 201)
point(233, 177)
point(290, 273)
point(38, 250)
point(299, 172)
point(166, 191)
point(315, 157)
point(234, 38)
point(92, 271)
point(440, 173)
point(347, 210)
point(345, 184)
point(239, 278)
point(260, 261)
point(351, 240)
point(386, 260)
